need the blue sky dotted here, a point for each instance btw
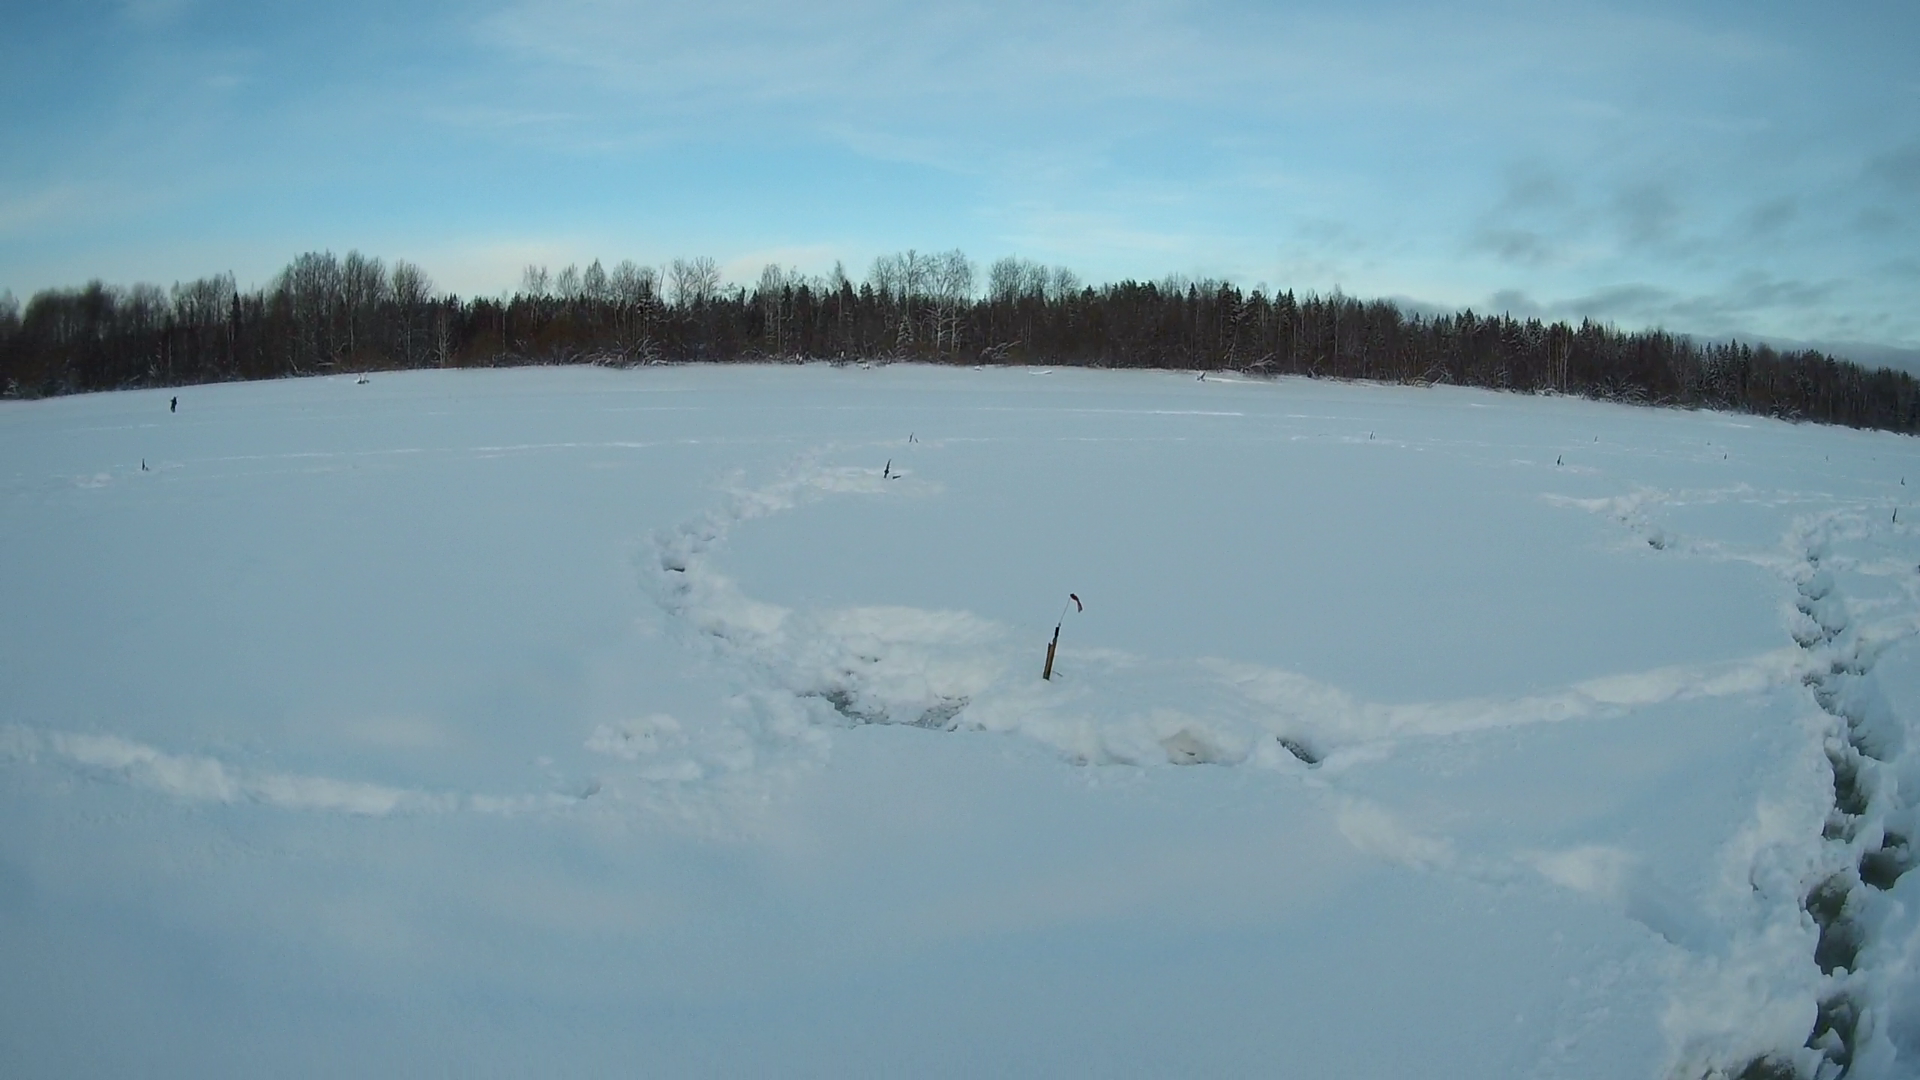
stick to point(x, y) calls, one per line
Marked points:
point(1715, 168)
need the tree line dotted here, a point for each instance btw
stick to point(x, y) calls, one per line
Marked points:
point(327, 314)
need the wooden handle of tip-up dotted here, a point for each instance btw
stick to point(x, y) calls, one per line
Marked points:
point(1051, 645)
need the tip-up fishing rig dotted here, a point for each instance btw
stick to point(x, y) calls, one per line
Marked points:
point(1073, 601)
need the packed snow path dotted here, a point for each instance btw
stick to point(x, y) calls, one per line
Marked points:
point(689, 721)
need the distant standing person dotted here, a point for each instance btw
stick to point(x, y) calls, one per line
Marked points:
point(174, 405)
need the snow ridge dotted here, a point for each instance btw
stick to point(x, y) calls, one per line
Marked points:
point(1840, 887)
point(1816, 895)
point(1869, 834)
point(200, 778)
point(954, 670)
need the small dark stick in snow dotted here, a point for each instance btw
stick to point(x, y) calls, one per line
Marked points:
point(143, 468)
point(1073, 599)
point(1557, 458)
point(174, 405)
point(886, 471)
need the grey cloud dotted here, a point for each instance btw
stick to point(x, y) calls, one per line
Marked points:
point(1877, 221)
point(1866, 354)
point(1869, 355)
point(1770, 217)
point(1616, 302)
point(1768, 292)
point(1647, 212)
point(1528, 223)
point(1530, 185)
point(1413, 305)
point(1898, 168)
point(1708, 312)
point(1743, 302)
point(1524, 246)
point(1326, 230)
point(1515, 302)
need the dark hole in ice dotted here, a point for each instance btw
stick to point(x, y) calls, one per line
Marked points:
point(940, 716)
point(1839, 942)
point(1833, 1030)
point(844, 703)
point(1300, 750)
point(1849, 795)
point(1882, 868)
point(1767, 1068)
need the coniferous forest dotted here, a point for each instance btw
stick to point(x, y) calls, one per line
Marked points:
point(323, 314)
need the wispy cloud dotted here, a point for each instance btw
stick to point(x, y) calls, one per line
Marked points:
point(35, 210)
point(1899, 169)
point(1685, 161)
point(1648, 212)
point(1005, 66)
point(1733, 306)
point(1769, 218)
point(748, 265)
point(153, 13)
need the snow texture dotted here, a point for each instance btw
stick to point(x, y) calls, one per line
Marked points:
point(690, 721)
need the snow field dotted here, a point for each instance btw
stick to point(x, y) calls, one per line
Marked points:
point(689, 721)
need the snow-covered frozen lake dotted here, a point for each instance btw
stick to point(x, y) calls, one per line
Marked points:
point(688, 721)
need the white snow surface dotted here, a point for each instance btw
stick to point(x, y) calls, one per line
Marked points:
point(688, 721)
